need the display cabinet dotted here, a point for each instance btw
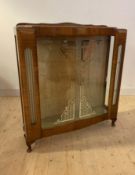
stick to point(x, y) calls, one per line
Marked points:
point(70, 76)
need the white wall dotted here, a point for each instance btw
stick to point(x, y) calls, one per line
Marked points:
point(120, 13)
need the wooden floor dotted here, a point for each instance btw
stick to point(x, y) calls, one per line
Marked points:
point(96, 150)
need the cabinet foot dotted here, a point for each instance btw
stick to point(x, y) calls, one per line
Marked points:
point(29, 149)
point(113, 122)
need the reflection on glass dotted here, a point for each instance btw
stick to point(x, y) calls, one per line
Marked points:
point(30, 82)
point(72, 76)
point(109, 69)
point(117, 74)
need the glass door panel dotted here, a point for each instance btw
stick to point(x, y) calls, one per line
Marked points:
point(93, 66)
point(72, 78)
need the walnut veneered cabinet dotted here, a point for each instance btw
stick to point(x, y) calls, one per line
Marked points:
point(70, 76)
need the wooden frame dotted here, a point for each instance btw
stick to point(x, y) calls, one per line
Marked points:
point(26, 37)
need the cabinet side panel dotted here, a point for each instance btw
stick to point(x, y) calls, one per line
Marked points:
point(20, 86)
point(116, 74)
point(29, 82)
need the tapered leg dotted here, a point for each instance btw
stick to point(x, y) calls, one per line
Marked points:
point(113, 122)
point(29, 149)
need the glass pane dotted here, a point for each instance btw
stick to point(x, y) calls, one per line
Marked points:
point(30, 82)
point(57, 71)
point(93, 71)
point(72, 78)
point(117, 74)
point(109, 69)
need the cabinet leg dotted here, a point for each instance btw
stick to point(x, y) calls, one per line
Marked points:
point(29, 148)
point(113, 122)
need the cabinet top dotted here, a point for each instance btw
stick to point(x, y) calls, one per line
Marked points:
point(66, 24)
point(71, 29)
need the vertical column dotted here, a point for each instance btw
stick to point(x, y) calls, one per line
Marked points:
point(116, 73)
point(28, 70)
point(78, 82)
